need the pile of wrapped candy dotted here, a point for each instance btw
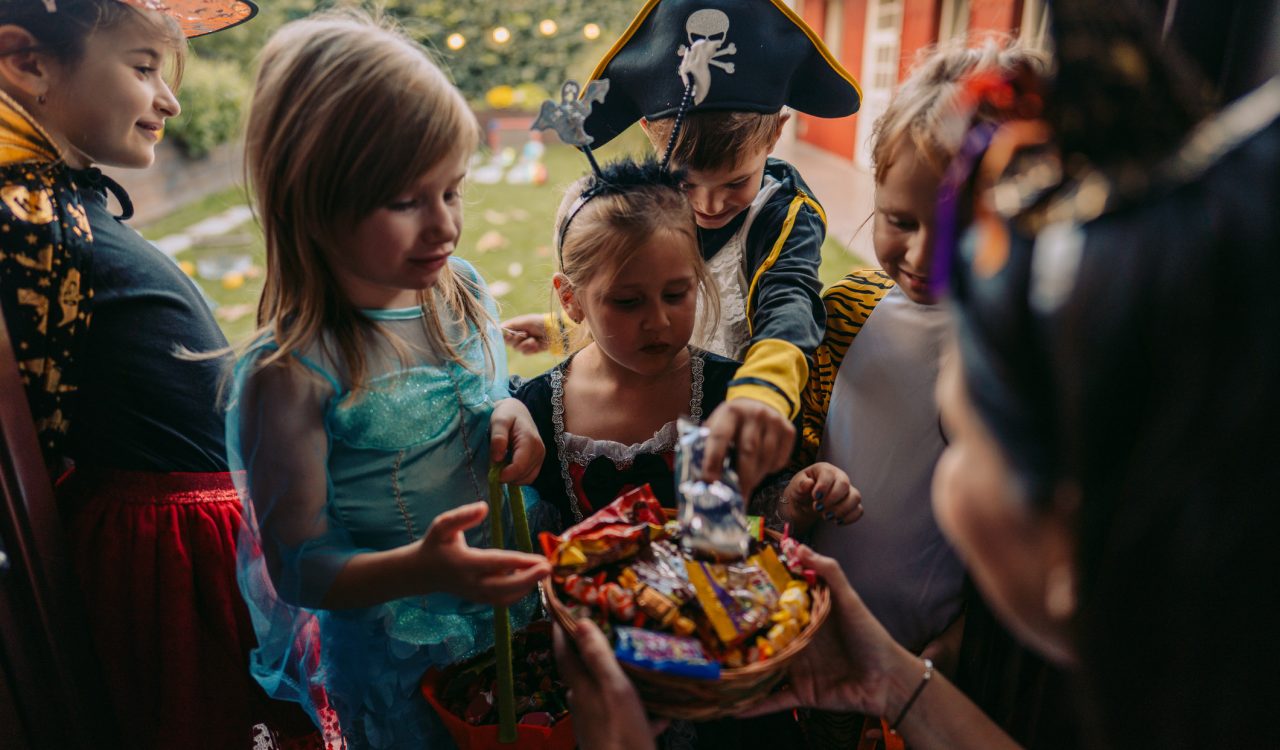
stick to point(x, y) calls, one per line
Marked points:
point(540, 695)
point(685, 597)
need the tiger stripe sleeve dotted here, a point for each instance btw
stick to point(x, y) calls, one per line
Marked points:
point(848, 304)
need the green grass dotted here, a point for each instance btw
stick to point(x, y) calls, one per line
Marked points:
point(193, 212)
point(235, 299)
point(507, 228)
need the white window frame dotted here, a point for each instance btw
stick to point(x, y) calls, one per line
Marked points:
point(953, 19)
point(833, 27)
point(1035, 24)
point(881, 64)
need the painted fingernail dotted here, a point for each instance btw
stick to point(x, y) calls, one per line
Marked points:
point(817, 506)
point(829, 516)
point(817, 495)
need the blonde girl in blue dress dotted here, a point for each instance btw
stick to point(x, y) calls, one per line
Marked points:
point(367, 409)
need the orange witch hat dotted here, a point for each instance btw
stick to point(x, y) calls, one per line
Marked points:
point(200, 17)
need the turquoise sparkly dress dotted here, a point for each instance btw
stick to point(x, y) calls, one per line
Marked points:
point(329, 474)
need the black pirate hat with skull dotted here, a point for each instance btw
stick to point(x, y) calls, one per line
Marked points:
point(726, 55)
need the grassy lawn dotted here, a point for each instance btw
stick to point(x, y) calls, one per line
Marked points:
point(507, 235)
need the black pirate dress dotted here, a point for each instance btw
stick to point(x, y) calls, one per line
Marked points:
point(580, 474)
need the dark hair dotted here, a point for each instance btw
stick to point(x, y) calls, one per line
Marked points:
point(63, 32)
point(1169, 360)
point(715, 140)
point(620, 209)
point(626, 176)
point(1155, 390)
point(1123, 98)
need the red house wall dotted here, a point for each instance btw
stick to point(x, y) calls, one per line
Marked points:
point(919, 29)
point(995, 15)
point(836, 135)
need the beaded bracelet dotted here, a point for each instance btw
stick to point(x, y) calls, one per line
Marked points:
point(924, 680)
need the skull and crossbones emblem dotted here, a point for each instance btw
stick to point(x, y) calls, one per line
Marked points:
point(707, 30)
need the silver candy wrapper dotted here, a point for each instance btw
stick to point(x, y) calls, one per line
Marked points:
point(713, 515)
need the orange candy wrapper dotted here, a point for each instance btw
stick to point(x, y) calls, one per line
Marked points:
point(616, 532)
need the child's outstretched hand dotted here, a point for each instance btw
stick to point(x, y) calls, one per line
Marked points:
point(820, 491)
point(487, 576)
point(512, 428)
point(762, 436)
point(526, 334)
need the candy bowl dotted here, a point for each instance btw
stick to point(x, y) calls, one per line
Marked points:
point(463, 696)
point(700, 639)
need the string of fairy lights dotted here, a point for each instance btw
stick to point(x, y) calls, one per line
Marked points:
point(501, 35)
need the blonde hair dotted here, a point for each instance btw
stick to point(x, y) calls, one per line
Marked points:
point(609, 229)
point(347, 113)
point(920, 111)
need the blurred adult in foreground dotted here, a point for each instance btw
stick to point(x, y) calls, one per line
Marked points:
point(1111, 415)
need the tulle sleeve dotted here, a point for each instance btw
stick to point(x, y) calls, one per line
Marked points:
point(277, 437)
point(289, 551)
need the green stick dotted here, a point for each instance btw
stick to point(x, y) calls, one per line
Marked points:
point(502, 622)
point(521, 521)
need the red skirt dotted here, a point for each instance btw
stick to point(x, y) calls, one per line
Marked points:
point(156, 558)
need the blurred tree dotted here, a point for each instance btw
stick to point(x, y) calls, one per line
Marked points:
point(241, 44)
point(541, 43)
point(217, 83)
point(545, 41)
point(213, 95)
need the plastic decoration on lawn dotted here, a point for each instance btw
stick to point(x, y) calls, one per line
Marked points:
point(687, 598)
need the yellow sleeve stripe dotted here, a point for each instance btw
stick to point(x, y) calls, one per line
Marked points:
point(793, 210)
point(849, 302)
point(761, 393)
point(779, 363)
point(814, 205)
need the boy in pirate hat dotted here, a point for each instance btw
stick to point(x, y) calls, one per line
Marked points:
point(708, 80)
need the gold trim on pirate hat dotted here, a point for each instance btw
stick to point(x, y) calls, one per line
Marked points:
point(200, 17)
point(729, 55)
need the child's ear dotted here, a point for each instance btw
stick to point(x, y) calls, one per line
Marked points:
point(777, 134)
point(24, 70)
point(568, 300)
point(648, 133)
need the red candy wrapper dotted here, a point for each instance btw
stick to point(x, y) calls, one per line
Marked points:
point(789, 547)
point(617, 531)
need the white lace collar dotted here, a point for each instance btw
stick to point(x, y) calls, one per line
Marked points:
point(581, 450)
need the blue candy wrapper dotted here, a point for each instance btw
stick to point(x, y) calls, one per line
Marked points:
point(664, 652)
